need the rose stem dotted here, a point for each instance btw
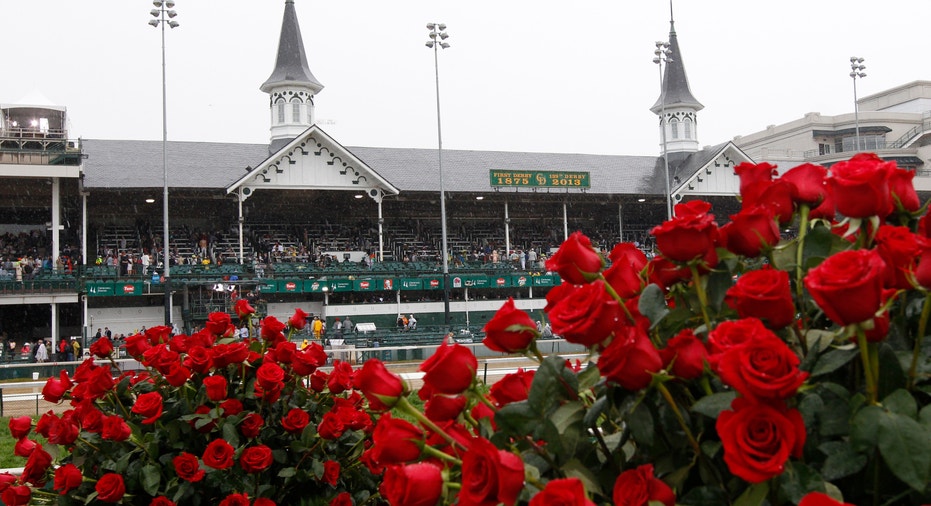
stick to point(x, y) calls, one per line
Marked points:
point(702, 297)
point(922, 326)
point(867, 369)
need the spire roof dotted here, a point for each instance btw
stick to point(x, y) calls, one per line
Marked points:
point(291, 65)
point(675, 83)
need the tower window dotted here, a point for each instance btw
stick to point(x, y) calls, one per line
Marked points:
point(674, 128)
point(687, 125)
point(280, 112)
point(296, 111)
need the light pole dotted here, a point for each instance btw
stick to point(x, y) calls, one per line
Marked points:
point(856, 70)
point(438, 36)
point(163, 10)
point(661, 56)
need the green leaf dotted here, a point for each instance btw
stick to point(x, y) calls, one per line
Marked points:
point(287, 472)
point(230, 434)
point(818, 340)
point(905, 445)
point(784, 256)
point(705, 495)
point(652, 304)
point(718, 284)
point(902, 403)
point(517, 419)
point(552, 384)
point(714, 404)
point(863, 429)
point(151, 477)
point(589, 377)
point(820, 243)
point(924, 416)
point(891, 376)
point(641, 425)
point(833, 360)
point(798, 480)
point(576, 469)
point(594, 412)
point(754, 495)
point(841, 460)
point(568, 423)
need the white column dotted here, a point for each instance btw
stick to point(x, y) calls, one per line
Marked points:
point(565, 222)
point(242, 261)
point(507, 231)
point(381, 238)
point(56, 218)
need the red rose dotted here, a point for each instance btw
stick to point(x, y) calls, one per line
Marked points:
point(381, 387)
point(825, 210)
point(777, 196)
point(16, 495)
point(331, 426)
point(162, 501)
point(229, 353)
point(63, 432)
point(625, 273)
point(340, 378)
point(114, 428)
point(177, 374)
point(251, 425)
point(298, 320)
point(218, 454)
point(295, 421)
point(440, 408)
point(417, 484)
point(902, 191)
point(562, 492)
point(216, 387)
point(764, 294)
point(587, 316)
point(67, 478)
point(733, 333)
point(24, 447)
point(687, 236)
point(37, 464)
point(490, 475)
point(235, 500)
point(751, 231)
point(55, 388)
point(847, 286)
point(860, 186)
point(510, 330)
point(6, 480)
point(20, 426)
point(808, 182)
point(256, 459)
point(899, 249)
point(751, 174)
point(199, 359)
point(219, 324)
point(820, 499)
point(318, 381)
point(636, 487)
point(630, 359)
point(344, 499)
point(306, 361)
point(758, 439)
point(331, 472)
point(272, 329)
point(160, 357)
point(396, 440)
point(513, 387)
point(687, 354)
point(187, 467)
point(110, 488)
point(149, 406)
point(102, 348)
point(663, 272)
point(269, 376)
point(231, 407)
point(243, 309)
point(576, 260)
point(762, 368)
point(450, 370)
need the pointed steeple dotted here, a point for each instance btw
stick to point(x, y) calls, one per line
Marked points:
point(291, 65)
point(675, 82)
point(292, 86)
point(676, 105)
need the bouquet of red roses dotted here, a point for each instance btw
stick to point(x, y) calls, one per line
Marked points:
point(734, 367)
point(212, 419)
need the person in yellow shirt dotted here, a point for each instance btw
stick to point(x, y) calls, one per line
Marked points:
point(317, 327)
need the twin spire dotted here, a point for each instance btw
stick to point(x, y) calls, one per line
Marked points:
point(292, 86)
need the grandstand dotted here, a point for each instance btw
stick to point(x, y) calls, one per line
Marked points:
point(305, 221)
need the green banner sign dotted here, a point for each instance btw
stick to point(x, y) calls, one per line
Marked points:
point(540, 178)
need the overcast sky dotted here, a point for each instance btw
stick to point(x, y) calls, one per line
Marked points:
point(520, 75)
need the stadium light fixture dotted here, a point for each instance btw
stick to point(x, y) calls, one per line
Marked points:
point(856, 70)
point(437, 34)
point(160, 12)
point(660, 57)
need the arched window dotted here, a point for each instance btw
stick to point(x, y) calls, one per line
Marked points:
point(687, 126)
point(674, 128)
point(296, 111)
point(280, 112)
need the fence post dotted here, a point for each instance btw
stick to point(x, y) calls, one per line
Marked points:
point(1, 402)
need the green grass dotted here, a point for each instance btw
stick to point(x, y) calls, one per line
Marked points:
point(7, 459)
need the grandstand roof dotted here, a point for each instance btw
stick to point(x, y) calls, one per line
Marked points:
point(114, 164)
